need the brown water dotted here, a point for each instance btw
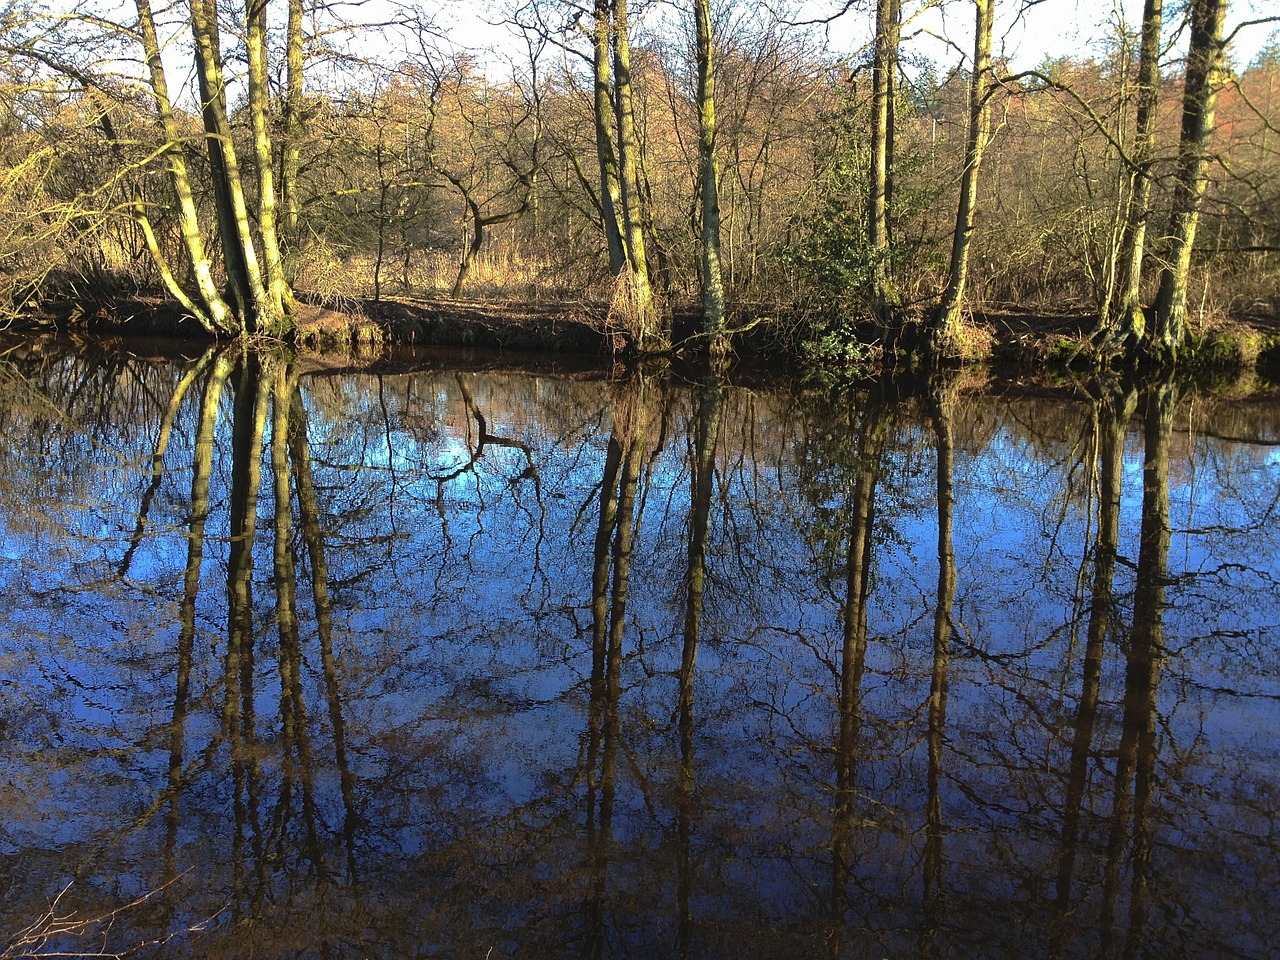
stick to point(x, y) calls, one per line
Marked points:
point(446, 662)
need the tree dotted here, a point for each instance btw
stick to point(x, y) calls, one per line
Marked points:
point(292, 121)
point(618, 151)
point(484, 139)
point(712, 282)
point(884, 70)
point(261, 303)
point(1131, 321)
point(207, 304)
point(1203, 77)
point(946, 324)
point(253, 292)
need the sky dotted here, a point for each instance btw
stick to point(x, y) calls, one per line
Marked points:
point(1052, 28)
point(1073, 26)
point(1049, 28)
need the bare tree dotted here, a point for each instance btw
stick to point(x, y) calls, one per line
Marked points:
point(1203, 78)
point(1131, 320)
point(642, 304)
point(946, 323)
point(485, 140)
point(884, 70)
point(712, 281)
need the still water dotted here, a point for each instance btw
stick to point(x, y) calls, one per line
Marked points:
point(437, 660)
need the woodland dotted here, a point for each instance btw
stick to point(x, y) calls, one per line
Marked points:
point(709, 177)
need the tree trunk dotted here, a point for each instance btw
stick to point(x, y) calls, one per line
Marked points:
point(884, 68)
point(291, 148)
point(240, 259)
point(471, 248)
point(213, 110)
point(279, 298)
point(610, 188)
point(1204, 66)
point(217, 315)
point(947, 319)
point(712, 282)
point(1131, 322)
point(380, 253)
point(650, 337)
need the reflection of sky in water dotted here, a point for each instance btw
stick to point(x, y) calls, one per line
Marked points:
point(461, 598)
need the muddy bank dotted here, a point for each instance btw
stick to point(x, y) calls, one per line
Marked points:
point(1009, 335)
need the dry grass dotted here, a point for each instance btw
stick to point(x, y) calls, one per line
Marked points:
point(324, 328)
point(501, 272)
point(969, 341)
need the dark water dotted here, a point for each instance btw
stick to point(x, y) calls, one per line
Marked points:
point(480, 664)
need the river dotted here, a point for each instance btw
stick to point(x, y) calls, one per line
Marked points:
point(443, 657)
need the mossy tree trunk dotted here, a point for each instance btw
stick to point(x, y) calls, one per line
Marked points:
point(250, 302)
point(240, 259)
point(650, 335)
point(212, 310)
point(606, 149)
point(884, 68)
point(619, 154)
point(946, 321)
point(713, 321)
point(291, 116)
point(277, 294)
point(1203, 76)
point(1130, 322)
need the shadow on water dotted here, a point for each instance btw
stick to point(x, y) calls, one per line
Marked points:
point(447, 662)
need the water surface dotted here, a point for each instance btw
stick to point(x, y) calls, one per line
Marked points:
point(445, 661)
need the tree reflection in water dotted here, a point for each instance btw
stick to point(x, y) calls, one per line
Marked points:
point(547, 664)
point(941, 401)
point(1112, 409)
point(705, 436)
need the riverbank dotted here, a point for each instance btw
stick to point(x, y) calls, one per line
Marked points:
point(1004, 334)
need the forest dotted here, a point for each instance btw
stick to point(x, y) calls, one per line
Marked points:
point(728, 164)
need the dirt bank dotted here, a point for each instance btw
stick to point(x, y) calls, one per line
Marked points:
point(1008, 333)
